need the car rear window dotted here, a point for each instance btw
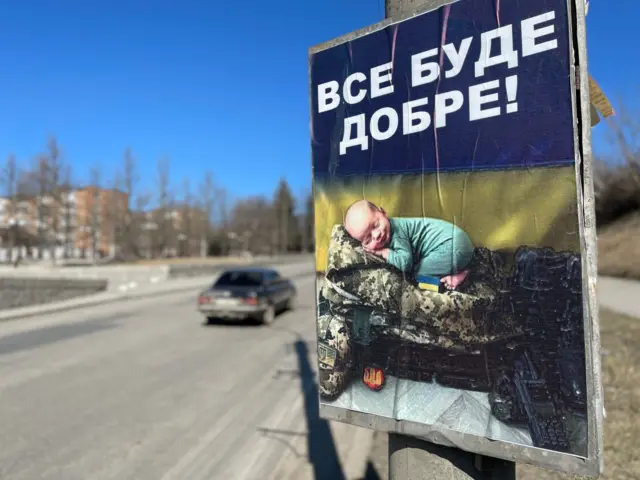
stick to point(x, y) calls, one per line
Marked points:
point(240, 279)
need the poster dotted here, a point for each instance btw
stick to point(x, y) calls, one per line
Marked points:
point(448, 241)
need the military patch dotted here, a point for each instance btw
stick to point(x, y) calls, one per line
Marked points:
point(373, 378)
point(326, 356)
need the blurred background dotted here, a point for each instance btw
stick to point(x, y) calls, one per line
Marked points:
point(130, 132)
point(154, 132)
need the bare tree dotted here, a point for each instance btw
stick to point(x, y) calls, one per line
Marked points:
point(10, 187)
point(144, 226)
point(68, 212)
point(207, 194)
point(252, 225)
point(163, 217)
point(223, 216)
point(39, 178)
point(114, 216)
point(284, 206)
point(95, 211)
point(130, 180)
point(221, 199)
point(10, 176)
point(55, 172)
point(305, 199)
point(617, 178)
point(186, 226)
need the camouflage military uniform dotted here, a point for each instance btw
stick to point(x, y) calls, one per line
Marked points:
point(333, 355)
point(457, 320)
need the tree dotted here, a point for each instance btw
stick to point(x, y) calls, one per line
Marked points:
point(67, 211)
point(143, 226)
point(617, 179)
point(95, 211)
point(38, 180)
point(163, 214)
point(9, 177)
point(186, 217)
point(286, 225)
point(10, 187)
point(208, 194)
point(130, 231)
point(224, 217)
point(308, 226)
point(115, 207)
point(55, 173)
point(251, 225)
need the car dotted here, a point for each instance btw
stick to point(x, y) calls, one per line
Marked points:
point(247, 293)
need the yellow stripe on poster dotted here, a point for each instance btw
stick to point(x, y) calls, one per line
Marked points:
point(500, 210)
point(428, 286)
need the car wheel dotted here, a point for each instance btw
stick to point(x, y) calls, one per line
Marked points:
point(291, 303)
point(268, 315)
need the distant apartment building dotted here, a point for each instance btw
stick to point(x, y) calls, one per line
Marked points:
point(95, 215)
point(76, 222)
point(178, 230)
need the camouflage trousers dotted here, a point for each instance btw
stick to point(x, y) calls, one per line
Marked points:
point(334, 356)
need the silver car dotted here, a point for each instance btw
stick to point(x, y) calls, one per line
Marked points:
point(247, 293)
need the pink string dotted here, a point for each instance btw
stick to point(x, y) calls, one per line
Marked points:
point(498, 11)
point(447, 11)
point(393, 45)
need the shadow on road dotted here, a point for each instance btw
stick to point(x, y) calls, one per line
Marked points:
point(321, 448)
point(280, 315)
point(371, 473)
point(322, 452)
point(221, 322)
point(33, 339)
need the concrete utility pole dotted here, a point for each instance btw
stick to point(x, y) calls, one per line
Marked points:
point(413, 459)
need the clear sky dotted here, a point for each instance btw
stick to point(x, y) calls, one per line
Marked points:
point(208, 84)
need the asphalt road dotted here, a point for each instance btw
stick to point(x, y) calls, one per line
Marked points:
point(143, 390)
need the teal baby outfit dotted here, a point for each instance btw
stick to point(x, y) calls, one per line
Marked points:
point(428, 246)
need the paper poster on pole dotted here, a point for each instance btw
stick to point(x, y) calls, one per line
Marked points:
point(449, 241)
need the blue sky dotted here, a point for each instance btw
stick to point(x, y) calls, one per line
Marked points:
point(210, 85)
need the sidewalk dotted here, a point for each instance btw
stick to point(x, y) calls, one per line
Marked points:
point(619, 295)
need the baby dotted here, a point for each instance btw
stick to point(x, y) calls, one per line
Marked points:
point(419, 246)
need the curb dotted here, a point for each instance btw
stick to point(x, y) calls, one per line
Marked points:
point(90, 302)
point(45, 309)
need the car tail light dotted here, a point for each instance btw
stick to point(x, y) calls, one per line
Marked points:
point(202, 299)
point(252, 299)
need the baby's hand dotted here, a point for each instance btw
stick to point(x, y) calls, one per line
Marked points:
point(383, 252)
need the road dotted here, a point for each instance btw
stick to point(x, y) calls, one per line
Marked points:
point(619, 295)
point(143, 390)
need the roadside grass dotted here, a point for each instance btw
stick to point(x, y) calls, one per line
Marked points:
point(619, 248)
point(620, 337)
point(189, 261)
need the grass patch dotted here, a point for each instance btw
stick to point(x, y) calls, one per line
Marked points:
point(189, 261)
point(620, 337)
point(619, 248)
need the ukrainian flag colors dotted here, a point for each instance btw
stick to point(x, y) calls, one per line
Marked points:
point(500, 210)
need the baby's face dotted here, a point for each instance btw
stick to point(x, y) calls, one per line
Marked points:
point(370, 227)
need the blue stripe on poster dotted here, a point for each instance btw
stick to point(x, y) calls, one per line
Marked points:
point(516, 113)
